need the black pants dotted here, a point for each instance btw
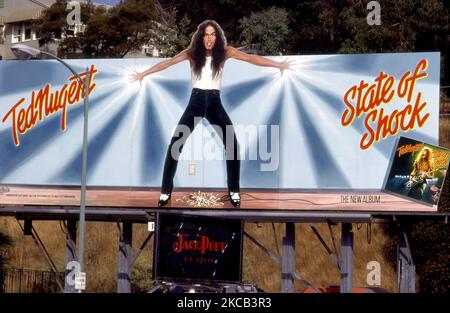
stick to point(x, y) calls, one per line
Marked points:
point(204, 104)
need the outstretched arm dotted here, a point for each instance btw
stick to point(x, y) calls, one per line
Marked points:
point(182, 56)
point(255, 59)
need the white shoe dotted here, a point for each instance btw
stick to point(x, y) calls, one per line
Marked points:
point(163, 199)
point(235, 199)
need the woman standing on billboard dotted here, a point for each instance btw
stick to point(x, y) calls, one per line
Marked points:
point(207, 54)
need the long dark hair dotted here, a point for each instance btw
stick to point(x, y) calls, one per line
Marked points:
point(197, 51)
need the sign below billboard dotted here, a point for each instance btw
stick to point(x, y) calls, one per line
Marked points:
point(198, 248)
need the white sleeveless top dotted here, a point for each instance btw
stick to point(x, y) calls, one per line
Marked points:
point(206, 80)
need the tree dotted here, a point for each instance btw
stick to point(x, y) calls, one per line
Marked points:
point(171, 40)
point(407, 25)
point(127, 29)
point(431, 249)
point(108, 32)
point(266, 29)
point(226, 12)
point(52, 25)
point(92, 17)
point(4, 242)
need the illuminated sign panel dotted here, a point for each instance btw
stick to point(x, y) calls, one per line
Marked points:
point(198, 248)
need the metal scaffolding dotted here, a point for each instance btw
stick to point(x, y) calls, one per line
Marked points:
point(286, 261)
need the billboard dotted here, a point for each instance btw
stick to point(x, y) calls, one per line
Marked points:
point(316, 127)
point(418, 170)
point(198, 248)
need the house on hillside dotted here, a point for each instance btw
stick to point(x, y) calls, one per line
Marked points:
point(16, 19)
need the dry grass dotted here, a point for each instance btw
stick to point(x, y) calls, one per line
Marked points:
point(312, 261)
point(101, 255)
point(101, 250)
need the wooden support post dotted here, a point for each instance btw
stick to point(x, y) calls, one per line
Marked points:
point(288, 259)
point(347, 258)
point(125, 258)
point(406, 268)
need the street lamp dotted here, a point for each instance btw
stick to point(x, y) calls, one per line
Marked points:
point(24, 52)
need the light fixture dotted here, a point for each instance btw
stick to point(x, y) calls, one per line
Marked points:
point(24, 52)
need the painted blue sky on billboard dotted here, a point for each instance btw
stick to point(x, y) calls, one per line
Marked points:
point(130, 126)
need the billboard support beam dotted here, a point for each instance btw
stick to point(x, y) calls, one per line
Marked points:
point(347, 258)
point(138, 253)
point(288, 259)
point(274, 257)
point(333, 255)
point(406, 270)
point(37, 240)
point(277, 260)
point(71, 239)
point(125, 258)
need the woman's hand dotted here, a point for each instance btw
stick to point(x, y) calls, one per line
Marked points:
point(285, 65)
point(139, 76)
point(136, 76)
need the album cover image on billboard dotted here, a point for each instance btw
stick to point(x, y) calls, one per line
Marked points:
point(418, 170)
point(198, 248)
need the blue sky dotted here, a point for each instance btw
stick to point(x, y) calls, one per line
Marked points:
point(110, 2)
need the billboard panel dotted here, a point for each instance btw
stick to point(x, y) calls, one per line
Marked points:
point(316, 127)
